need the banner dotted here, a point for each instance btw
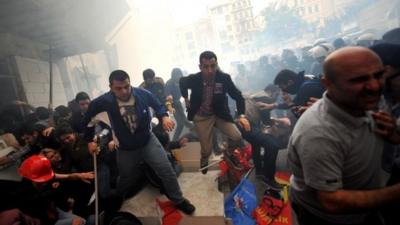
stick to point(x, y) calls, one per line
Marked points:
point(240, 203)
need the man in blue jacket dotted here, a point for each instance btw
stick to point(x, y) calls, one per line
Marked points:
point(129, 114)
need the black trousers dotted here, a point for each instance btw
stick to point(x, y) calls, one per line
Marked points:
point(390, 212)
point(304, 217)
point(264, 165)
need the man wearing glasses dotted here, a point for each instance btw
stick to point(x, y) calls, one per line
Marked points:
point(208, 104)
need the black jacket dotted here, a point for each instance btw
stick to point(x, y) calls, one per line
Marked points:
point(223, 85)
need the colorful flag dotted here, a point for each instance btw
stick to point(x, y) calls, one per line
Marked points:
point(274, 208)
point(240, 203)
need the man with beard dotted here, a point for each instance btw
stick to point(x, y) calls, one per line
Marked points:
point(296, 84)
point(128, 109)
point(335, 150)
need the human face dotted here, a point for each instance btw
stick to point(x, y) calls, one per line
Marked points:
point(84, 105)
point(208, 67)
point(121, 89)
point(30, 139)
point(289, 87)
point(358, 83)
point(149, 81)
point(67, 138)
point(52, 155)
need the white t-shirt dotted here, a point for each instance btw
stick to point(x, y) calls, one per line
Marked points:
point(128, 113)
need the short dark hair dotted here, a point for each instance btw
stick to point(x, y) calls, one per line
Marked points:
point(207, 55)
point(284, 76)
point(42, 113)
point(61, 114)
point(81, 96)
point(118, 75)
point(63, 129)
point(62, 111)
point(148, 73)
point(28, 128)
point(389, 53)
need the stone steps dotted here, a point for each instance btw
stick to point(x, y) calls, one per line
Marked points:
point(201, 190)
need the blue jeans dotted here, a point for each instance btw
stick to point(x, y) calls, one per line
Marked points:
point(65, 218)
point(154, 155)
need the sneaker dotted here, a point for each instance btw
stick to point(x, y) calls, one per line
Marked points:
point(204, 164)
point(186, 207)
point(271, 183)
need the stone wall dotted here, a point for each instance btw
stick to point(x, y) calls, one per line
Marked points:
point(34, 75)
point(30, 69)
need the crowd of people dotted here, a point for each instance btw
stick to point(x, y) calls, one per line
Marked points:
point(335, 108)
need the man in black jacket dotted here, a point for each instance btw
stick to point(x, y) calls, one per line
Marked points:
point(208, 104)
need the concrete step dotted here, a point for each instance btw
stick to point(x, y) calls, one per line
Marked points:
point(200, 189)
point(189, 157)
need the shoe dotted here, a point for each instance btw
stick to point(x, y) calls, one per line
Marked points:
point(204, 164)
point(217, 152)
point(271, 183)
point(186, 207)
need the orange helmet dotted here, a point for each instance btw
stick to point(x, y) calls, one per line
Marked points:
point(37, 169)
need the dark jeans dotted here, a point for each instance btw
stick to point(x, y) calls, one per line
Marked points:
point(154, 155)
point(264, 165)
point(304, 217)
point(107, 170)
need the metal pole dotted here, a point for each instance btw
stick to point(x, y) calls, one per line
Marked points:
point(51, 78)
point(210, 165)
point(96, 191)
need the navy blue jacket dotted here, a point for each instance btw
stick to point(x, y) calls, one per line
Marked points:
point(308, 89)
point(108, 103)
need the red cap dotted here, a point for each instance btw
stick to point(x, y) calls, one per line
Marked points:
point(36, 168)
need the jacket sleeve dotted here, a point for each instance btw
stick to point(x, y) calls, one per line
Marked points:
point(236, 95)
point(184, 84)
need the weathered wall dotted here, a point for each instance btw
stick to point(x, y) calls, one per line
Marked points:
point(34, 75)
